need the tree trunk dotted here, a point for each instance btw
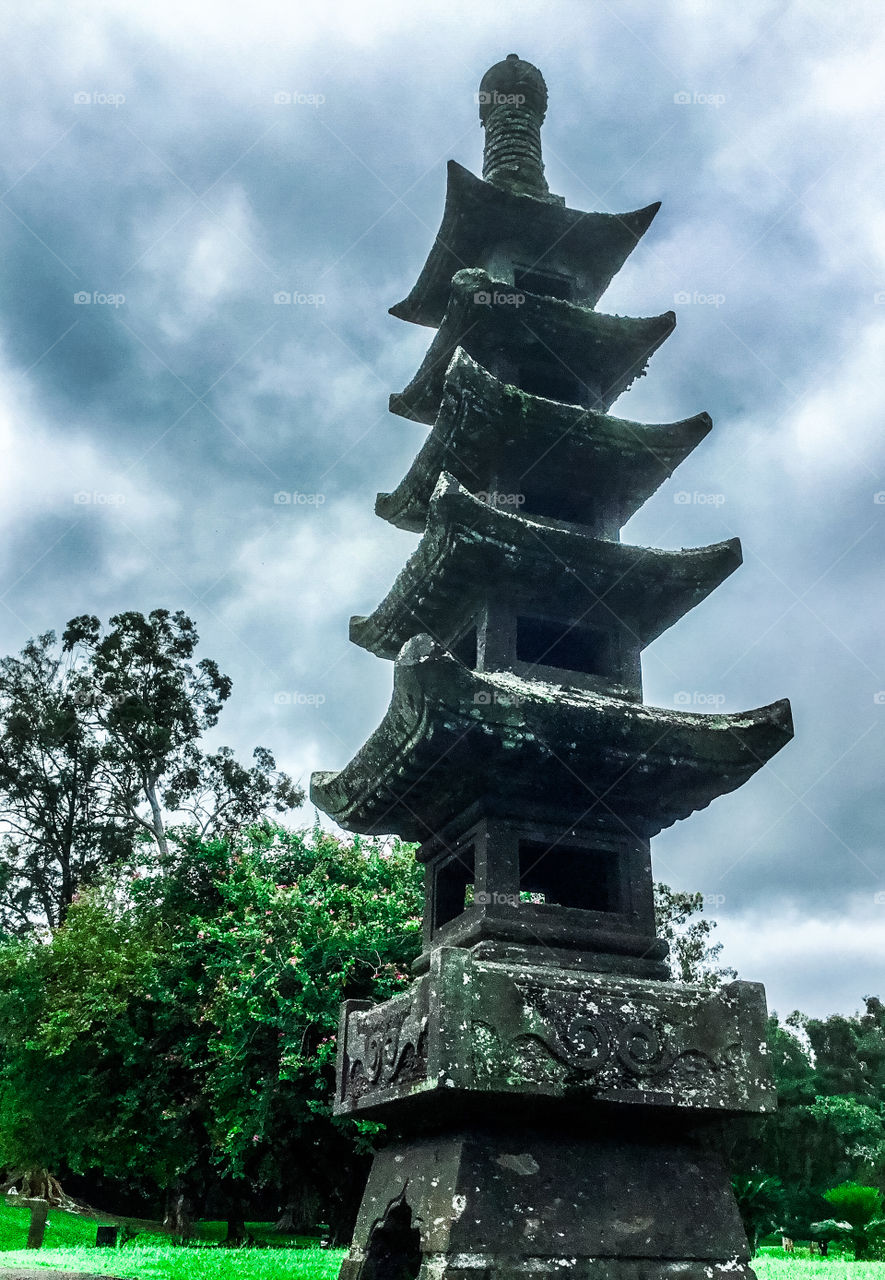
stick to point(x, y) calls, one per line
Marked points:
point(236, 1228)
point(37, 1229)
point(301, 1211)
point(286, 1221)
point(157, 816)
point(37, 1184)
point(178, 1218)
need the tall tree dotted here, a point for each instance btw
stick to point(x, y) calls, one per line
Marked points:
point(100, 742)
point(149, 704)
point(57, 831)
point(681, 922)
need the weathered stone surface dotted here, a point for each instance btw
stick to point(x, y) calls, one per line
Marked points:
point(491, 436)
point(502, 1202)
point(480, 222)
point(599, 355)
point(471, 547)
point(449, 728)
point(478, 1027)
point(512, 104)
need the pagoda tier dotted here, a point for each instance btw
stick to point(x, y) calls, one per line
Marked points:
point(449, 729)
point(472, 550)
point(541, 344)
point(577, 254)
point(566, 462)
point(583, 1041)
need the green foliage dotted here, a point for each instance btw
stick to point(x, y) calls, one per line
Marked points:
point(830, 1122)
point(179, 1030)
point(149, 704)
point(760, 1202)
point(860, 1128)
point(62, 1228)
point(58, 832)
point(99, 741)
point(72, 1230)
point(792, 1268)
point(693, 957)
point(858, 1216)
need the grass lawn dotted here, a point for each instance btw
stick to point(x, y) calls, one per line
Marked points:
point(169, 1262)
point(206, 1263)
point(769, 1268)
point(69, 1247)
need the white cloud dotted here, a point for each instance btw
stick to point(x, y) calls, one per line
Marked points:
point(821, 964)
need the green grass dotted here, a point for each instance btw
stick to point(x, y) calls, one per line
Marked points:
point(146, 1262)
point(769, 1268)
point(69, 1245)
point(68, 1248)
point(169, 1262)
point(63, 1228)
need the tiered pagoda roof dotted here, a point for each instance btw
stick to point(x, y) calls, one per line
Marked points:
point(516, 626)
point(599, 356)
point(480, 218)
point(484, 424)
point(449, 730)
point(470, 543)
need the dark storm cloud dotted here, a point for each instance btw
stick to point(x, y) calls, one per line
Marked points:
point(183, 410)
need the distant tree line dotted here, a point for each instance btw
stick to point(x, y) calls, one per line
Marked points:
point(816, 1169)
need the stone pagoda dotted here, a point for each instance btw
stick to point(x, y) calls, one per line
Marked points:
point(543, 1081)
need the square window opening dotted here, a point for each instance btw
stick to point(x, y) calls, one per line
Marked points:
point(552, 380)
point(559, 504)
point(465, 650)
point(568, 876)
point(453, 887)
point(550, 643)
point(548, 283)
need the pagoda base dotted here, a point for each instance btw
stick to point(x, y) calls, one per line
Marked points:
point(502, 1202)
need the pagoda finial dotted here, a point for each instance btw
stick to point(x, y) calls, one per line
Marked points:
point(512, 104)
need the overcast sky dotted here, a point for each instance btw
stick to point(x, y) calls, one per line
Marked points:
point(179, 164)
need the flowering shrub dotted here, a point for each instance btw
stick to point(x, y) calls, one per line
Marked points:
point(180, 1028)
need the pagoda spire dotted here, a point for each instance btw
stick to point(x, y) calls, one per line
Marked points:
point(512, 106)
